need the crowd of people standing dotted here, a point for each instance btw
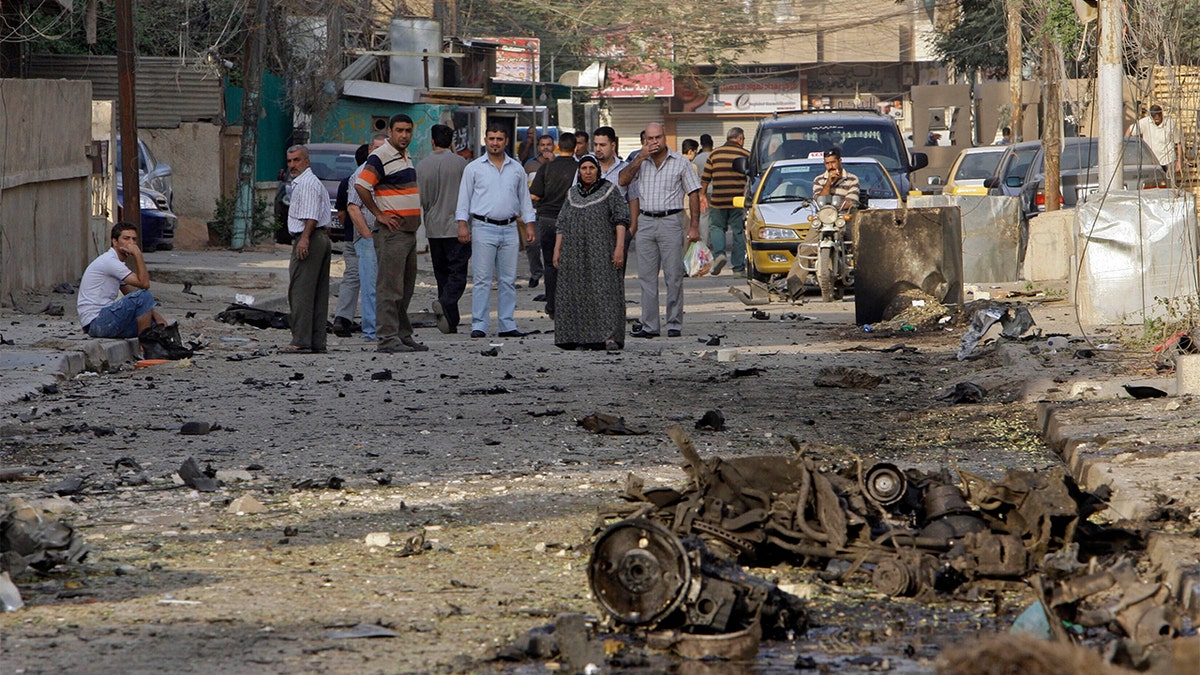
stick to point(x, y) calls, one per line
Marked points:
point(574, 205)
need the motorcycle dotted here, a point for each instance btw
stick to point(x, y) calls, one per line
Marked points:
point(830, 261)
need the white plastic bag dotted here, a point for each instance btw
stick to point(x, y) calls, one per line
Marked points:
point(697, 260)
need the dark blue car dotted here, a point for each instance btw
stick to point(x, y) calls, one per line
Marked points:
point(158, 223)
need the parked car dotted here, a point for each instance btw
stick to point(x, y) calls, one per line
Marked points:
point(331, 162)
point(777, 213)
point(971, 169)
point(158, 222)
point(152, 173)
point(1009, 176)
point(857, 133)
point(1079, 173)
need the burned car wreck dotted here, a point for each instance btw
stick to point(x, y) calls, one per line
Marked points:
point(913, 533)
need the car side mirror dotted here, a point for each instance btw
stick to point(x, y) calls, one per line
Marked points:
point(739, 165)
point(919, 161)
point(739, 202)
point(935, 180)
point(991, 182)
point(1013, 181)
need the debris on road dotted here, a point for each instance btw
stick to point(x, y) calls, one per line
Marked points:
point(33, 537)
point(1014, 320)
point(244, 505)
point(238, 314)
point(362, 630)
point(609, 425)
point(842, 377)
point(194, 478)
point(966, 392)
point(712, 420)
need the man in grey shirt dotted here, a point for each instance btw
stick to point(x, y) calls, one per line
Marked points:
point(438, 178)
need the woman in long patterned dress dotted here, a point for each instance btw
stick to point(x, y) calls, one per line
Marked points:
point(589, 252)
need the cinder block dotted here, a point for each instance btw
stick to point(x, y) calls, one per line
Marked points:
point(1047, 255)
point(1187, 374)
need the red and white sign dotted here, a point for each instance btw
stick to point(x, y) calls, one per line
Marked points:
point(641, 85)
point(518, 59)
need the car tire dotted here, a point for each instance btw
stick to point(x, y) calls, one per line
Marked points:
point(753, 274)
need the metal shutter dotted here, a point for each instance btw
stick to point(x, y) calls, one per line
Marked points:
point(694, 125)
point(628, 117)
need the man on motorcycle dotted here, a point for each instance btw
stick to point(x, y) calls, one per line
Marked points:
point(835, 182)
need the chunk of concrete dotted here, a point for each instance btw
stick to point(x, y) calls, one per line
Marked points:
point(902, 249)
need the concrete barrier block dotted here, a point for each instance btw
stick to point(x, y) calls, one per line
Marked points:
point(905, 249)
point(1187, 374)
point(1048, 254)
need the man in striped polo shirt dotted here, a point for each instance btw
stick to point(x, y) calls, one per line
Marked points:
point(388, 188)
point(722, 216)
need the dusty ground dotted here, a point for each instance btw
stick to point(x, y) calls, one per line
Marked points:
point(481, 454)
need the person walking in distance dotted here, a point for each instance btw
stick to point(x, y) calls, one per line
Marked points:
point(492, 200)
point(388, 189)
point(364, 238)
point(723, 217)
point(660, 180)
point(308, 270)
point(549, 190)
point(438, 178)
point(1161, 135)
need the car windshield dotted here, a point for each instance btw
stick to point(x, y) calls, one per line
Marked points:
point(331, 164)
point(793, 182)
point(854, 140)
point(873, 181)
point(789, 183)
point(977, 166)
point(1018, 162)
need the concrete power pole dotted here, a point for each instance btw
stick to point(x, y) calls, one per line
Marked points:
point(1013, 20)
point(251, 105)
point(131, 193)
point(1109, 95)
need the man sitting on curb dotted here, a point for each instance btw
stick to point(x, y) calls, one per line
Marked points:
point(114, 302)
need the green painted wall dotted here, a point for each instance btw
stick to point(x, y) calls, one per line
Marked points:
point(350, 122)
point(274, 128)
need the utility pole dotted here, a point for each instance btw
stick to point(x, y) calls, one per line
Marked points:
point(1012, 13)
point(1109, 98)
point(1052, 132)
point(251, 97)
point(131, 180)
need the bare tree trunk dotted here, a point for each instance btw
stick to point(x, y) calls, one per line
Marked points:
point(243, 218)
point(1013, 21)
point(1052, 133)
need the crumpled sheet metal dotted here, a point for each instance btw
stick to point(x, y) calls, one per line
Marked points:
point(30, 537)
point(991, 234)
point(766, 508)
point(1134, 247)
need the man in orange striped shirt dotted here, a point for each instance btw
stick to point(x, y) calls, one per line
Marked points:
point(388, 188)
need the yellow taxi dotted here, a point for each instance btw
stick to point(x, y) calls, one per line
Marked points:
point(777, 213)
point(971, 168)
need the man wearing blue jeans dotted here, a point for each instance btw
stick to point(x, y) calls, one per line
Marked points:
point(493, 199)
point(113, 301)
point(364, 239)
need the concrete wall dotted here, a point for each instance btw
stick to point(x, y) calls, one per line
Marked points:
point(44, 191)
point(194, 152)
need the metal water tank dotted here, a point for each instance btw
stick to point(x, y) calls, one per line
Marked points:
point(414, 36)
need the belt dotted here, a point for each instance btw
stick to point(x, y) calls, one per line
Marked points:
point(661, 214)
point(493, 221)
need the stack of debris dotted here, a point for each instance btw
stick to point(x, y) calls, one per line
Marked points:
point(916, 534)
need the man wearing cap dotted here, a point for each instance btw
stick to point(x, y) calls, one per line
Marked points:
point(1161, 135)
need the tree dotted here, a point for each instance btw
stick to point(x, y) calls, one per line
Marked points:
point(975, 43)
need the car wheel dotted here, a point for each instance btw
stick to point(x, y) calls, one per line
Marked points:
point(753, 274)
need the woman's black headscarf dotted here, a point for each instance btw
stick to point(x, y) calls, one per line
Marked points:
point(586, 190)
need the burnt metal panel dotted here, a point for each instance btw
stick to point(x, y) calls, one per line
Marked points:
point(169, 91)
point(905, 249)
